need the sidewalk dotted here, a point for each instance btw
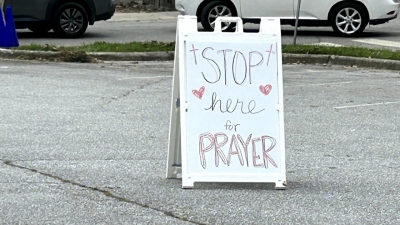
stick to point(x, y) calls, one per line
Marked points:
point(170, 15)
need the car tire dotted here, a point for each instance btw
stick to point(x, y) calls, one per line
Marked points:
point(349, 19)
point(70, 20)
point(214, 9)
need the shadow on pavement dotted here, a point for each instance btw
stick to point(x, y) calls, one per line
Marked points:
point(236, 186)
point(51, 35)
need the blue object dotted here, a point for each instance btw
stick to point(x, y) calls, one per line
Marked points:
point(11, 33)
point(3, 33)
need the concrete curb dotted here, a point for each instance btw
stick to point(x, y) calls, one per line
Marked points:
point(342, 60)
point(133, 56)
point(169, 56)
point(104, 56)
point(23, 54)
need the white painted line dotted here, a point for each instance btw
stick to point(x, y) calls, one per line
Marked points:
point(320, 84)
point(307, 71)
point(141, 20)
point(149, 77)
point(3, 67)
point(327, 44)
point(363, 105)
point(373, 41)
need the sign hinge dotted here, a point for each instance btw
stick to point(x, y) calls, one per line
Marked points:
point(279, 107)
point(186, 106)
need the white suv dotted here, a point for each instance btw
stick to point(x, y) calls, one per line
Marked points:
point(347, 17)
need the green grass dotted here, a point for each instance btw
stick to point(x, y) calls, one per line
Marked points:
point(155, 46)
point(343, 51)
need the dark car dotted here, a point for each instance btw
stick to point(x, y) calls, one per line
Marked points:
point(68, 19)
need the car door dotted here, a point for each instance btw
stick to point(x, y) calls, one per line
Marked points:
point(315, 9)
point(29, 11)
point(267, 8)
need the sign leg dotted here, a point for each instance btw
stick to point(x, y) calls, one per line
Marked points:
point(280, 185)
point(174, 149)
point(174, 166)
point(187, 183)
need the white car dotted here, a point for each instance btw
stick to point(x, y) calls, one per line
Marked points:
point(347, 17)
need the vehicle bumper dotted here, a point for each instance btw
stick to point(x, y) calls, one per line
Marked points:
point(187, 7)
point(380, 21)
point(387, 10)
point(107, 15)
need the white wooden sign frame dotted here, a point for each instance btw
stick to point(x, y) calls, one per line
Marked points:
point(178, 161)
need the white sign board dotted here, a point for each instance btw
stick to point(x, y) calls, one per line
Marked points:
point(231, 111)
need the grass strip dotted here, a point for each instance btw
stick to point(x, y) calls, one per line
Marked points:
point(155, 46)
point(342, 51)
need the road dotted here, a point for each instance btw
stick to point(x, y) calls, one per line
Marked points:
point(87, 144)
point(161, 27)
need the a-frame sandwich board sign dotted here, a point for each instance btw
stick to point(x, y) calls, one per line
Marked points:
point(227, 118)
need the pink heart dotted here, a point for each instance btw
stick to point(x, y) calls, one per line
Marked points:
point(266, 89)
point(199, 93)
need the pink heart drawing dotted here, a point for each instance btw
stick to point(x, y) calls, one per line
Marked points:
point(199, 93)
point(266, 89)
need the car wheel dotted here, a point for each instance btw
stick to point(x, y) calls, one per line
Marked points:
point(39, 30)
point(216, 9)
point(349, 20)
point(70, 21)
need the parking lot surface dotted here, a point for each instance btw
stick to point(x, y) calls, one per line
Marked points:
point(87, 144)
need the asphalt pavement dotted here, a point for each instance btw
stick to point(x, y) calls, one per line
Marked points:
point(161, 26)
point(87, 144)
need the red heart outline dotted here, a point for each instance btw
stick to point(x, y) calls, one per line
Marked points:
point(266, 89)
point(199, 93)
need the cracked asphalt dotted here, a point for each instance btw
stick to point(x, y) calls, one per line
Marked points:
point(87, 144)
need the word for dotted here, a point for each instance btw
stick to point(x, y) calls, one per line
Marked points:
point(228, 125)
point(237, 147)
point(239, 73)
point(228, 107)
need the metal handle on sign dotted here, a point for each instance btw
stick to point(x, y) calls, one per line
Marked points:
point(297, 22)
point(237, 20)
